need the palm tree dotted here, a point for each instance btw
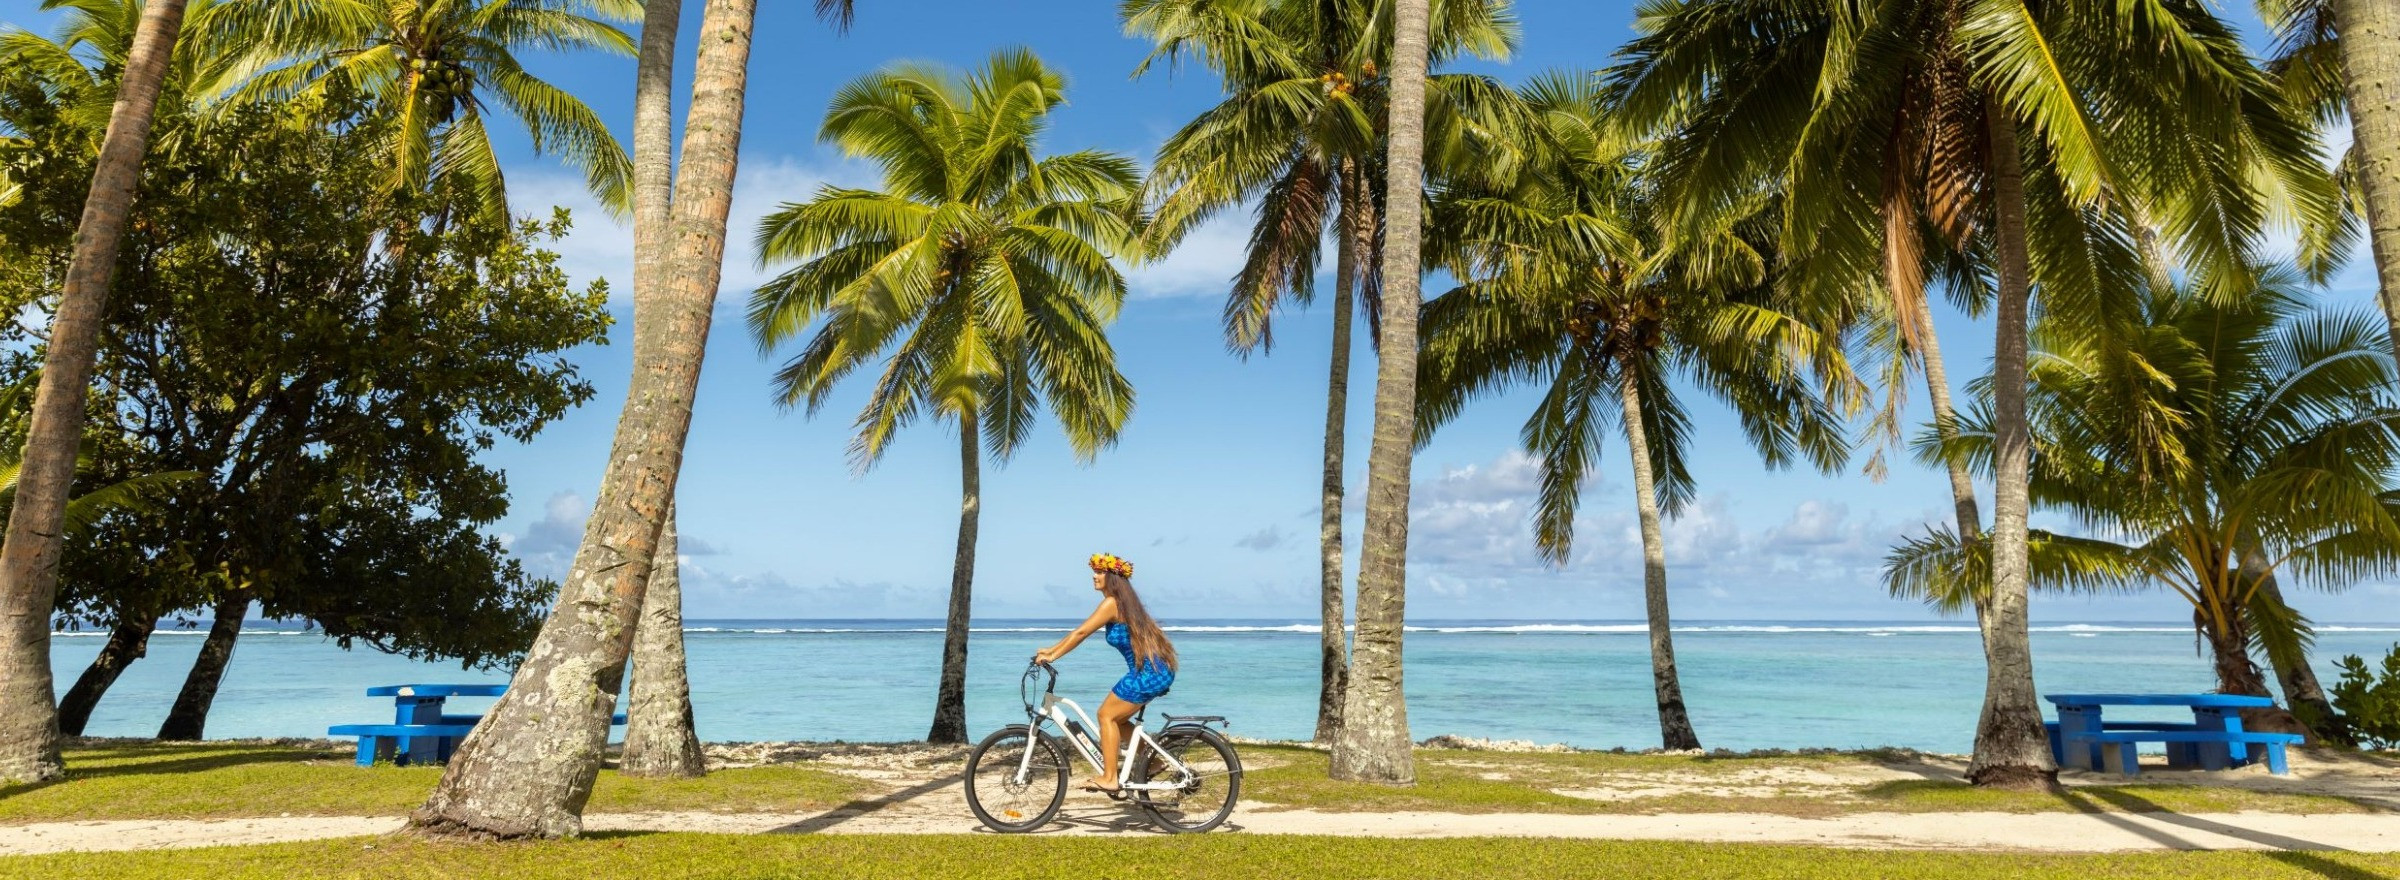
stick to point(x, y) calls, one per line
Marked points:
point(2343, 56)
point(660, 740)
point(1570, 286)
point(2026, 124)
point(1374, 744)
point(981, 275)
point(29, 558)
point(529, 766)
point(437, 68)
point(1301, 134)
point(2285, 432)
point(659, 737)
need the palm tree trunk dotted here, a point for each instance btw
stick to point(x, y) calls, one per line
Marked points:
point(1674, 723)
point(1334, 641)
point(2311, 713)
point(2011, 749)
point(1945, 426)
point(29, 555)
point(950, 705)
point(2227, 631)
point(2370, 46)
point(654, 148)
point(1374, 744)
point(188, 720)
point(528, 768)
point(660, 741)
point(128, 641)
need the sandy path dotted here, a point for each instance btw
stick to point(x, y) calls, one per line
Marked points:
point(2057, 832)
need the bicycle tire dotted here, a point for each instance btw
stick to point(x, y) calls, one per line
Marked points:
point(1013, 810)
point(1207, 798)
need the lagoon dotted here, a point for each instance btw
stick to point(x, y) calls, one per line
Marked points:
point(1750, 684)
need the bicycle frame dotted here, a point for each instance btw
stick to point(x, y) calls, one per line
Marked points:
point(1076, 735)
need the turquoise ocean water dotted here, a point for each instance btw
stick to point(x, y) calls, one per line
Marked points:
point(1749, 684)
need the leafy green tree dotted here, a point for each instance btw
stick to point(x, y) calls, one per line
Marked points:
point(435, 69)
point(268, 342)
point(2051, 133)
point(982, 274)
point(1301, 133)
point(1572, 285)
point(2284, 425)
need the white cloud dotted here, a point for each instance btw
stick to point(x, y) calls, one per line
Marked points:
point(602, 246)
point(548, 545)
point(1262, 540)
point(1471, 541)
point(1202, 265)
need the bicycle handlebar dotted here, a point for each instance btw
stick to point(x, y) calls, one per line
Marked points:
point(1052, 685)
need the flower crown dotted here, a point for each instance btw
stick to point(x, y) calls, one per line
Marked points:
point(1103, 562)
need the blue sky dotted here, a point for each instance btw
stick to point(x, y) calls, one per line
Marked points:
point(1213, 489)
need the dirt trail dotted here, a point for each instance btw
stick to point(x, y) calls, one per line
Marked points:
point(924, 797)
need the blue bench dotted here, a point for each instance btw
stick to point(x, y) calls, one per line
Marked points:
point(2117, 746)
point(2058, 745)
point(420, 730)
point(399, 742)
point(377, 741)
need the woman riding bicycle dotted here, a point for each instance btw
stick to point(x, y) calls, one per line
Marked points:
point(1149, 659)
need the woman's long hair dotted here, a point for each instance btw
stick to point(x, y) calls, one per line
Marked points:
point(1149, 642)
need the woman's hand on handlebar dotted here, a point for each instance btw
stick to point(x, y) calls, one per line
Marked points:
point(1048, 655)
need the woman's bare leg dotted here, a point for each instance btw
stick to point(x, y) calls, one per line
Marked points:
point(1116, 726)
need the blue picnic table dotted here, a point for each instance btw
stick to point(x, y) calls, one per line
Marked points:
point(2214, 740)
point(420, 729)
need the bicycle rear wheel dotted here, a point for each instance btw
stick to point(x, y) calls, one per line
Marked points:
point(1210, 781)
point(1001, 800)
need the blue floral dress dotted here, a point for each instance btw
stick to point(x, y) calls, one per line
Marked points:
point(1143, 682)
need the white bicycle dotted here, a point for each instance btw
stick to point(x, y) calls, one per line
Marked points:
point(1185, 778)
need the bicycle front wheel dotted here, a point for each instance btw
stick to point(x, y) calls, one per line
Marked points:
point(1010, 790)
point(1207, 785)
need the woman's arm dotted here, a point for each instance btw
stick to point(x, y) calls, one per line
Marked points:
point(1100, 618)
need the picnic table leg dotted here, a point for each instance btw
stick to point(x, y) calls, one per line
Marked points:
point(418, 710)
point(2218, 756)
point(2072, 721)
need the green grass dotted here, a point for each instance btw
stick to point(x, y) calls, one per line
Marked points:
point(1451, 781)
point(1204, 857)
point(195, 781)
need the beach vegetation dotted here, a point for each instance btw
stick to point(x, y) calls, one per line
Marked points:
point(1300, 135)
point(346, 416)
point(1374, 744)
point(1572, 283)
point(2017, 135)
point(529, 767)
point(2335, 59)
point(2369, 699)
point(2244, 439)
point(30, 552)
point(983, 275)
point(434, 73)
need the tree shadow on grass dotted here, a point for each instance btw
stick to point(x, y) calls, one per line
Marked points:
point(863, 806)
point(165, 758)
point(1919, 792)
point(2127, 802)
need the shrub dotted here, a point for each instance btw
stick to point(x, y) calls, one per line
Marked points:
point(2371, 699)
